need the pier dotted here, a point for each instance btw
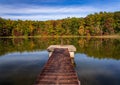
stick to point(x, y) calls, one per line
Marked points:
point(59, 69)
point(71, 49)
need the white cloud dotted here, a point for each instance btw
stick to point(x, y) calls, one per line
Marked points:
point(43, 17)
point(37, 9)
point(49, 12)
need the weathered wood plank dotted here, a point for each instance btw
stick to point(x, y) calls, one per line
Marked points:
point(58, 70)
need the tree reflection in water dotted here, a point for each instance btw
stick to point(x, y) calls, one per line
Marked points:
point(93, 47)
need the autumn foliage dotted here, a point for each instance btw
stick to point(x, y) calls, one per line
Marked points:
point(103, 23)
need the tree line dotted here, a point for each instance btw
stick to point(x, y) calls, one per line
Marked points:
point(102, 23)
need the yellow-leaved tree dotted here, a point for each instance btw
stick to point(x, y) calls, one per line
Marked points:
point(81, 30)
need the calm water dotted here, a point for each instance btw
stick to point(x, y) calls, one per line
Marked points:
point(97, 61)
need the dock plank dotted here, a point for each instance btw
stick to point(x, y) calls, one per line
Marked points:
point(58, 70)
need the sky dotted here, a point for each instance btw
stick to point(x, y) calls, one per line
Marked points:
point(54, 9)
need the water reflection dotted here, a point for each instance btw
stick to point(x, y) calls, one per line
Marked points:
point(93, 47)
point(93, 71)
point(97, 60)
point(21, 68)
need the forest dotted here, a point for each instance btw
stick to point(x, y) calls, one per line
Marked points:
point(97, 24)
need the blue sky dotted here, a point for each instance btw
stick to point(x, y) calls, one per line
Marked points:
point(54, 9)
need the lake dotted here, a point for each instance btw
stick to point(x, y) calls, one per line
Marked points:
point(97, 60)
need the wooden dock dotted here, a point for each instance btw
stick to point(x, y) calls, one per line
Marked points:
point(58, 70)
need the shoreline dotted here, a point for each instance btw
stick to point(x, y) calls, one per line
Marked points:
point(69, 36)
